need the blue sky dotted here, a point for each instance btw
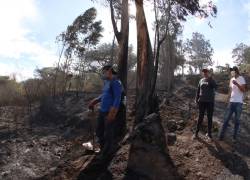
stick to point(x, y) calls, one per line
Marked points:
point(29, 28)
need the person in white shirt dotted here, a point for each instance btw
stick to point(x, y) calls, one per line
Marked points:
point(237, 88)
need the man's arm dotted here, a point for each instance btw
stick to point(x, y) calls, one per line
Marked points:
point(213, 84)
point(94, 102)
point(242, 87)
point(229, 91)
point(229, 94)
point(197, 93)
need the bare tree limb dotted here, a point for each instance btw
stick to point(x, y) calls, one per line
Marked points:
point(117, 33)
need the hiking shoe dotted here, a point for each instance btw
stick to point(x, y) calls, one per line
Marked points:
point(209, 136)
point(194, 137)
point(209, 139)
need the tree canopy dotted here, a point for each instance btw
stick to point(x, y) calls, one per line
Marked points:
point(199, 51)
point(241, 54)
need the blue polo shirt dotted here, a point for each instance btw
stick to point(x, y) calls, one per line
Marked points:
point(111, 94)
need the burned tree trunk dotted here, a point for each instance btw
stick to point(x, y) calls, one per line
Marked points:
point(123, 45)
point(122, 39)
point(145, 66)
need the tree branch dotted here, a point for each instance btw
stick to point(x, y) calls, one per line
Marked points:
point(167, 24)
point(117, 33)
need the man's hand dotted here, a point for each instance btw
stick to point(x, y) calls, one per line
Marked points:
point(241, 87)
point(196, 100)
point(235, 83)
point(92, 103)
point(112, 114)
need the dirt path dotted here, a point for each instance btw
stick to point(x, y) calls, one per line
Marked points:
point(201, 159)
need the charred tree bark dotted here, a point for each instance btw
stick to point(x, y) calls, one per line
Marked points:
point(145, 66)
point(158, 41)
point(122, 39)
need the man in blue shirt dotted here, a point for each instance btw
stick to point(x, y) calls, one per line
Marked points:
point(110, 100)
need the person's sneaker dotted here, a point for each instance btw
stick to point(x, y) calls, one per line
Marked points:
point(209, 138)
point(234, 141)
point(194, 137)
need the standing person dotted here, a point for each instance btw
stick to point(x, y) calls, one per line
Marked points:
point(237, 87)
point(110, 100)
point(205, 100)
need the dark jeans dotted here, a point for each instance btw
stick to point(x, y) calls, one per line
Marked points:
point(236, 108)
point(105, 132)
point(110, 133)
point(209, 107)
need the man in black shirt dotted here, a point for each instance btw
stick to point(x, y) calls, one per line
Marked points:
point(205, 99)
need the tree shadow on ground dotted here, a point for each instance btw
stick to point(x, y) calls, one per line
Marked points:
point(230, 160)
point(97, 169)
point(243, 146)
point(161, 167)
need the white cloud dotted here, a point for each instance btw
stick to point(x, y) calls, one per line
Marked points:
point(16, 37)
point(223, 56)
point(21, 72)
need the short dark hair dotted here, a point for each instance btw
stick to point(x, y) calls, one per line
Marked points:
point(204, 70)
point(235, 68)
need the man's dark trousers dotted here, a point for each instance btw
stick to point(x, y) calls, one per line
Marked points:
point(105, 133)
point(209, 107)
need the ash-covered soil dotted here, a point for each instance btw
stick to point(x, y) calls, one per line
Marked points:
point(46, 143)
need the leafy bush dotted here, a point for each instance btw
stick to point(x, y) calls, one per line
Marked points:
point(11, 92)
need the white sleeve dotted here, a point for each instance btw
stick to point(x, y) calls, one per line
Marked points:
point(242, 80)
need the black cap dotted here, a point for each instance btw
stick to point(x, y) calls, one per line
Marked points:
point(234, 69)
point(108, 67)
point(205, 70)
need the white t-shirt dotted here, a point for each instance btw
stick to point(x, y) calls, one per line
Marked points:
point(237, 94)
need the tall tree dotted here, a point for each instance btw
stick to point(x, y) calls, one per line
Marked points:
point(122, 39)
point(81, 36)
point(121, 36)
point(101, 55)
point(145, 58)
point(241, 54)
point(200, 51)
point(171, 55)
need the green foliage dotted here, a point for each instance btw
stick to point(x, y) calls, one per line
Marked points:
point(103, 55)
point(84, 33)
point(199, 51)
point(241, 54)
point(11, 92)
point(245, 68)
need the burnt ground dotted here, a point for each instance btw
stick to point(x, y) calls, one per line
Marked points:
point(46, 143)
point(202, 159)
